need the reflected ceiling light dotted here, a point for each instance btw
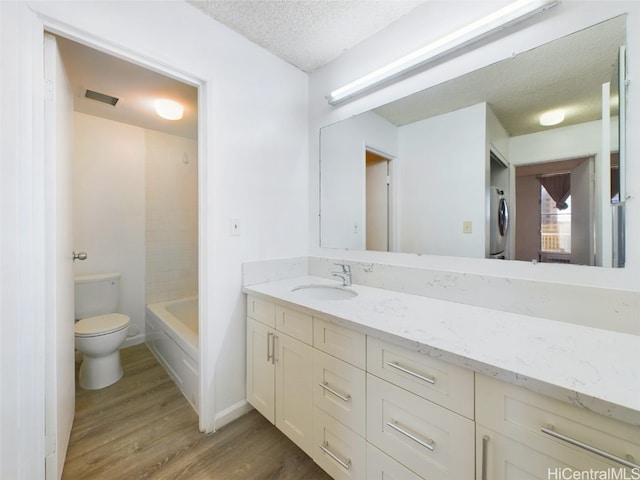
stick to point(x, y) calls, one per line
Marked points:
point(169, 109)
point(500, 19)
point(553, 117)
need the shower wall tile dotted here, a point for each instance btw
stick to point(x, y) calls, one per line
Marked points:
point(171, 196)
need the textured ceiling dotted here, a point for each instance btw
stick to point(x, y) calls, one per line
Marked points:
point(306, 33)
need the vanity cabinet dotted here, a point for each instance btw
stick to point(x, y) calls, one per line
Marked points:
point(364, 408)
point(521, 434)
point(279, 369)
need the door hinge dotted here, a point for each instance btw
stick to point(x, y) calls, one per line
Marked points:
point(50, 444)
point(388, 180)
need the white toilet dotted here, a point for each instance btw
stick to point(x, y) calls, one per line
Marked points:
point(99, 331)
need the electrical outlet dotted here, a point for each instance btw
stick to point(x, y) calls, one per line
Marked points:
point(467, 226)
point(235, 226)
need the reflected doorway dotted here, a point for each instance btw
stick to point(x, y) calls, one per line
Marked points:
point(555, 205)
point(377, 204)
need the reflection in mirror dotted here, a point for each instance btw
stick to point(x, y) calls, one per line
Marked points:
point(420, 175)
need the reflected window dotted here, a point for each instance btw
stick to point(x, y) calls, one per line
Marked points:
point(555, 224)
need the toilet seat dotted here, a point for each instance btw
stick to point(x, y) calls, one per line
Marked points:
point(101, 325)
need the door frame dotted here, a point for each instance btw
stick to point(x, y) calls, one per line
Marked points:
point(206, 391)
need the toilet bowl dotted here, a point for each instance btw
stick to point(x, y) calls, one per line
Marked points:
point(99, 339)
point(99, 331)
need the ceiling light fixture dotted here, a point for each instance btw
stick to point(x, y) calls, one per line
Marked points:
point(509, 15)
point(169, 109)
point(553, 117)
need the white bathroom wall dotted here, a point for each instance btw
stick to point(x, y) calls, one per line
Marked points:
point(441, 170)
point(109, 208)
point(171, 213)
point(343, 176)
point(410, 33)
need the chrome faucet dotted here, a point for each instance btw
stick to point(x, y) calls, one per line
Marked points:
point(345, 274)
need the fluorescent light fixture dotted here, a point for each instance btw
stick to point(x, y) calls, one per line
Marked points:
point(169, 109)
point(553, 117)
point(509, 15)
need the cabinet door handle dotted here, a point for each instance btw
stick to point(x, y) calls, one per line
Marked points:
point(344, 398)
point(550, 431)
point(485, 449)
point(428, 443)
point(273, 348)
point(431, 380)
point(269, 347)
point(346, 464)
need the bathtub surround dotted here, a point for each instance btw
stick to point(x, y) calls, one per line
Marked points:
point(171, 202)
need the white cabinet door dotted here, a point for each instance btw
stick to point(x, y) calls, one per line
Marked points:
point(501, 458)
point(260, 369)
point(294, 390)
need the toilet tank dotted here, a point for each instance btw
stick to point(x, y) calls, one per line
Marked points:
point(96, 294)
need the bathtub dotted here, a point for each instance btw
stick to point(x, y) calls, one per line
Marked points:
point(172, 335)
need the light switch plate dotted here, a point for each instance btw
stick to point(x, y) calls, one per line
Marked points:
point(467, 226)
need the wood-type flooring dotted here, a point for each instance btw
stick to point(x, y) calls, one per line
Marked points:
point(143, 428)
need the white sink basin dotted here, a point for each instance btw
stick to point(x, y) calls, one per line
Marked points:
point(324, 292)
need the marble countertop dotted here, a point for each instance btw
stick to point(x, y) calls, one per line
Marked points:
point(591, 368)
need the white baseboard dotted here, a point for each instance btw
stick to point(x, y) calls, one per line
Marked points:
point(232, 413)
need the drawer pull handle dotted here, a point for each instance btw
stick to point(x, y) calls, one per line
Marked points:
point(344, 398)
point(431, 380)
point(550, 431)
point(428, 444)
point(346, 464)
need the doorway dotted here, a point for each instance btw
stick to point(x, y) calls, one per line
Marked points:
point(115, 158)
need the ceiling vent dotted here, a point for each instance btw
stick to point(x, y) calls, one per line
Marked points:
point(101, 97)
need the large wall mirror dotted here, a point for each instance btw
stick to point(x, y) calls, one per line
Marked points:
point(466, 168)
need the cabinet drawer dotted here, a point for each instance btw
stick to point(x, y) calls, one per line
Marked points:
point(340, 342)
point(338, 450)
point(440, 382)
point(261, 310)
point(522, 415)
point(295, 324)
point(501, 458)
point(339, 389)
point(428, 439)
point(381, 466)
